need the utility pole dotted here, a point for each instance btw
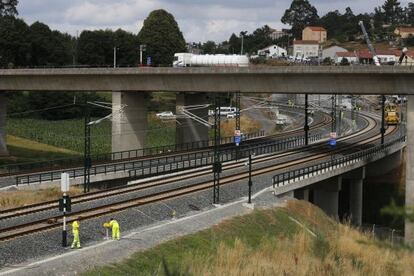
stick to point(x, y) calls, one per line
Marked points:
point(333, 114)
point(250, 183)
point(306, 127)
point(382, 119)
point(237, 134)
point(242, 39)
point(216, 163)
point(142, 48)
point(115, 56)
point(87, 150)
point(340, 115)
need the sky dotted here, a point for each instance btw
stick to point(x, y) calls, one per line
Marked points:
point(199, 20)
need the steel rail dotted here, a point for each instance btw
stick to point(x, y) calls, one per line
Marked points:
point(8, 233)
point(29, 209)
point(56, 221)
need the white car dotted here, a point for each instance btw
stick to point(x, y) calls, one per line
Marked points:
point(165, 115)
point(231, 115)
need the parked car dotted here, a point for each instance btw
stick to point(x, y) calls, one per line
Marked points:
point(165, 115)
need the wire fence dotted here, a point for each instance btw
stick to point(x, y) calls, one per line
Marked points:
point(384, 233)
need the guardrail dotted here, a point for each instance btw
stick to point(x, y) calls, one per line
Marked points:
point(167, 164)
point(118, 156)
point(204, 159)
point(286, 178)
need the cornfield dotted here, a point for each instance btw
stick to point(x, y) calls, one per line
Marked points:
point(69, 134)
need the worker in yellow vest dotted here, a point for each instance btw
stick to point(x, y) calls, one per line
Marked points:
point(75, 232)
point(115, 229)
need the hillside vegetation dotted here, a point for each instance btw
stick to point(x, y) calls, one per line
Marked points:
point(296, 240)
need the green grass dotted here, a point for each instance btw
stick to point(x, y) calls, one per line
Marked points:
point(253, 230)
point(269, 242)
point(48, 140)
point(67, 134)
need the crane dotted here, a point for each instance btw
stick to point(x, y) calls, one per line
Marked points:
point(370, 46)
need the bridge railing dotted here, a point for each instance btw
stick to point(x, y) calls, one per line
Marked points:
point(173, 163)
point(117, 156)
point(230, 154)
point(292, 176)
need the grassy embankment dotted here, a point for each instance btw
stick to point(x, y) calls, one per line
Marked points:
point(271, 242)
point(12, 199)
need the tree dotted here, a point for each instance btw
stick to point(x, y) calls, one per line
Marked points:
point(333, 23)
point(48, 47)
point(344, 62)
point(409, 41)
point(300, 14)
point(8, 7)
point(96, 47)
point(234, 44)
point(409, 14)
point(14, 43)
point(162, 36)
point(392, 12)
point(127, 48)
point(209, 47)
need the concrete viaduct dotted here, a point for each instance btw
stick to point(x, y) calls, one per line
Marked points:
point(129, 86)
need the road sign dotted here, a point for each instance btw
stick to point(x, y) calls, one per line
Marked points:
point(332, 139)
point(332, 135)
point(149, 61)
point(237, 140)
point(237, 137)
point(64, 182)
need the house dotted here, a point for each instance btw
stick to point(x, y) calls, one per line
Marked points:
point(276, 34)
point(314, 33)
point(305, 48)
point(273, 51)
point(385, 56)
point(330, 52)
point(404, 32)
point(352, 57)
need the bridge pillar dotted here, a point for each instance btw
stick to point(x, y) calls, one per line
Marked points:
point(326, 195)
point(188, 130)
point(129, 131)
point(409, 168)
point(356, 179)
point(302, 194)
point(3, 113)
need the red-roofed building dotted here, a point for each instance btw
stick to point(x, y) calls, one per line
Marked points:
point(314, 33)
point(404, 32)
point(365, 56)
point(385, 56)
point(352, 57)
point(305, 48)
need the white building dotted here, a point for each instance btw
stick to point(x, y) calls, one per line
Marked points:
point(352, 57)
point(330, 52)
point(276, 34)
point(272, 51)
point(305, 48)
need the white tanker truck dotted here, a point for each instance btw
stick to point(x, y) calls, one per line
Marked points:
point(187, 59)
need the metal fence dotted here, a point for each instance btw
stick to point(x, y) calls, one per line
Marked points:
point(285, 178)
point(118, 156)
point(384, 233)
point(172, 163)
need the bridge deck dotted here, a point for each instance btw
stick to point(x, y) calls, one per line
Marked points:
point(280, 79)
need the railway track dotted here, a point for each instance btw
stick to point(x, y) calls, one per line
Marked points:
point(56, 221)
point(326, 120)
point(206, 170)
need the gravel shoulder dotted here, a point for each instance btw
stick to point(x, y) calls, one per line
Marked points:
point(73, 262)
